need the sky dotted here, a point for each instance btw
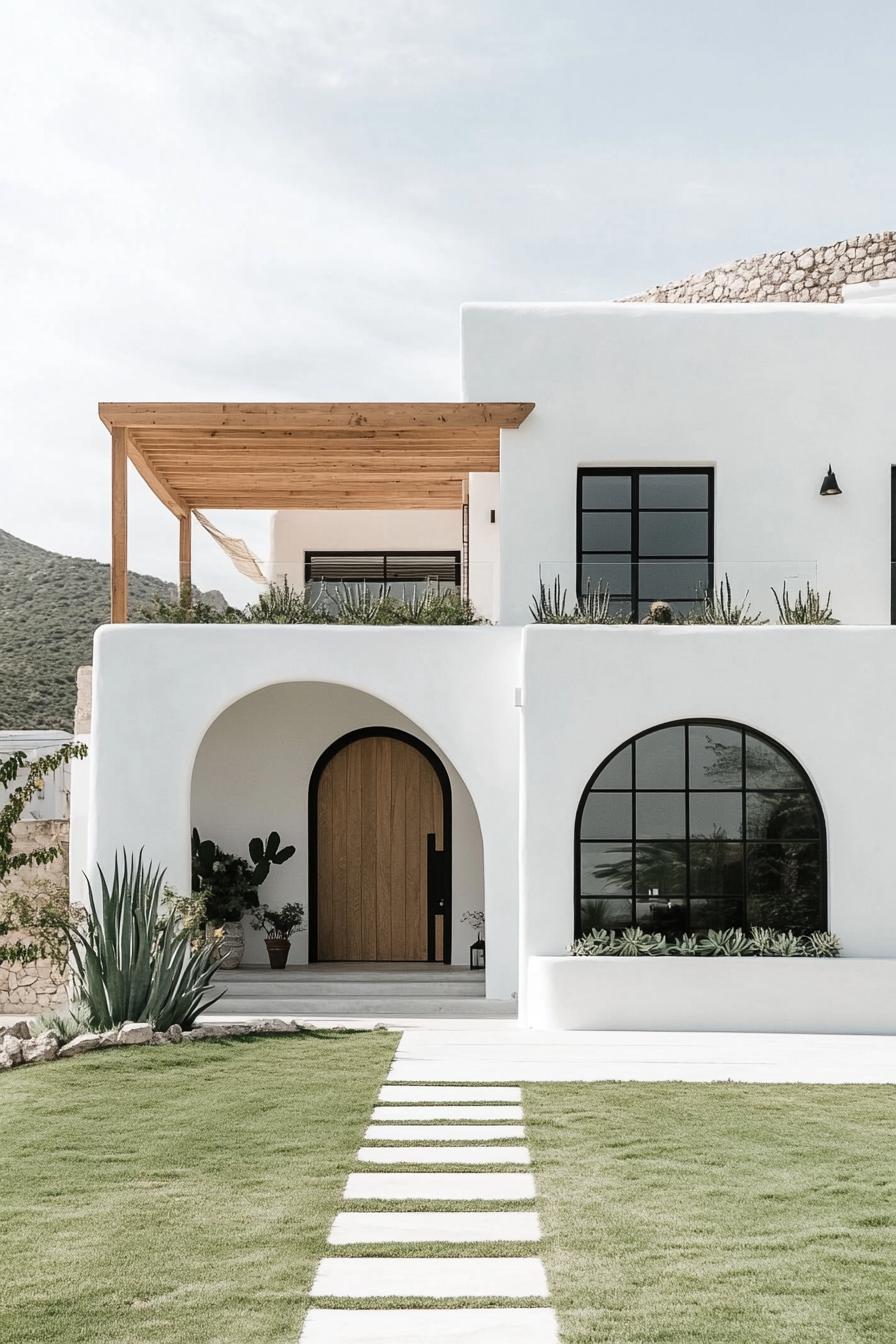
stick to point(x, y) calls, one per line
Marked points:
point(289, 199)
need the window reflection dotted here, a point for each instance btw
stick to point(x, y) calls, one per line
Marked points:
point(700, 825)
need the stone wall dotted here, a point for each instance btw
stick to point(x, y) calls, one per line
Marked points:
point(36, 987)
point(806, 275)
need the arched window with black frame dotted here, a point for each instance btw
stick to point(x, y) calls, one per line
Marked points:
point(700, 824)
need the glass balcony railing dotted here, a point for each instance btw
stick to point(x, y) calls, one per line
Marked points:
point(405, 590)
point(677, 591)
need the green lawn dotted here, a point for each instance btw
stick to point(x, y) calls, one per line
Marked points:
point(684, 1214)
point(179, 1195)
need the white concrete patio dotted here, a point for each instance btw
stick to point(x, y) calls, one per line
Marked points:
point(506, 1053)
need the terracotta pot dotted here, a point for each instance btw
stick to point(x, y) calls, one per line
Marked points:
point(278, 952)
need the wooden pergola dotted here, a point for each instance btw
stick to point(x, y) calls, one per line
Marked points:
point(302, 455)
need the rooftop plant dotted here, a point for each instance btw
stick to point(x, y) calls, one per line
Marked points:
point(807, 608)
point(718, 607)
point(592, 607)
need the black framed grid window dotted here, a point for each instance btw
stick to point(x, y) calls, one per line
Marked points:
point(645, 534)
point(399, 573)
point(699, 825)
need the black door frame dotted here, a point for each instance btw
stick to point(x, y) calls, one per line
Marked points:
point(442, 897)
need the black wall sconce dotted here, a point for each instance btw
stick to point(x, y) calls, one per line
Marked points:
point(829, 485)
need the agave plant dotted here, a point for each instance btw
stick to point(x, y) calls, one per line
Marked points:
point(805, 609)
point(132, 959)
point(724, 943)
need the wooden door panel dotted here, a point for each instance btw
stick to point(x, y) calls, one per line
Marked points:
point(377, 800)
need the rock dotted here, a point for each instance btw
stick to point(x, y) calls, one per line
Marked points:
point(175, 1034)
point(11, 1046)
point(159, 1038)
point(6, 1061)
point(806, 260)
point(134, 1033)
point(20, 1029)
point(79, 1045)
point(45, 1047)
point(108, 1038)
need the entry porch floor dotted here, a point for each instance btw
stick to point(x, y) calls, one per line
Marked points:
point(359, 994)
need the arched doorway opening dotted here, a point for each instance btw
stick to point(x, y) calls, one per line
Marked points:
point(379, 850)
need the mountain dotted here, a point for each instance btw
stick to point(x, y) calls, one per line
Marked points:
point(50, 606)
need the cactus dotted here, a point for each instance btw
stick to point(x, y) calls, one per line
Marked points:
point(263, 853)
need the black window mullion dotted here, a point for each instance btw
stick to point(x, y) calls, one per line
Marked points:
point(687, 826)
point(636, 544)
point(634, 831)
point(743, 823)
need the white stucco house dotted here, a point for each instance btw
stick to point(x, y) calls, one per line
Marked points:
point(559, 777)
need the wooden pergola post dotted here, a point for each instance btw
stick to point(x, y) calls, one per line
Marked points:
point(185, 583)
point(119, 567)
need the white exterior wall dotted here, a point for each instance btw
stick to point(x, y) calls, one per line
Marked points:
point(158, 689)
point(823, 693)
point(295, 531)
point(252, 774)
point(766, 394)
point(484, 543)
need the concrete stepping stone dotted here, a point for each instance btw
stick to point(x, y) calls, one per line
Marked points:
point(392, 1113)
point(465, 1325)
point(446, 1156)
point(407, 1092)
point(441, 1186)
point(366, 1229)
point(444, 1133)
point(430, 1276)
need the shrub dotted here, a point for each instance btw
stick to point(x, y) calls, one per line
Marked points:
point(282, 604)
point(132, 959)
point(759, 942)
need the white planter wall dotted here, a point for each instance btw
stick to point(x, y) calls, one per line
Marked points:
point(766, 994)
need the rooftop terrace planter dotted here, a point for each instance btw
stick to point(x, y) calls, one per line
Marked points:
point(853, 995)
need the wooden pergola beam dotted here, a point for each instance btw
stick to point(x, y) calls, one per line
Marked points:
point(296, 455)
point(294, 415)
point(118, 570)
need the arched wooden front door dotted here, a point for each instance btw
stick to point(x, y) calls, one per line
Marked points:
point(379, 851)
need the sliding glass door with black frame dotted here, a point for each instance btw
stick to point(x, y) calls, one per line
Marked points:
point(645, 534)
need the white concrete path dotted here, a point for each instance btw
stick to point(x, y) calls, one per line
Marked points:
point(408, 1130)
point(495, 1055)
point(442, 1187)
point(353, 1229)
point(476, 1325)
point(431, 1276)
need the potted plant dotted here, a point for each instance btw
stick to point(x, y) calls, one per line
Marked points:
point(229, 887)
point(277, 926)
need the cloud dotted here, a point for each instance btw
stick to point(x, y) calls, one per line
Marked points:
point(289, 199)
